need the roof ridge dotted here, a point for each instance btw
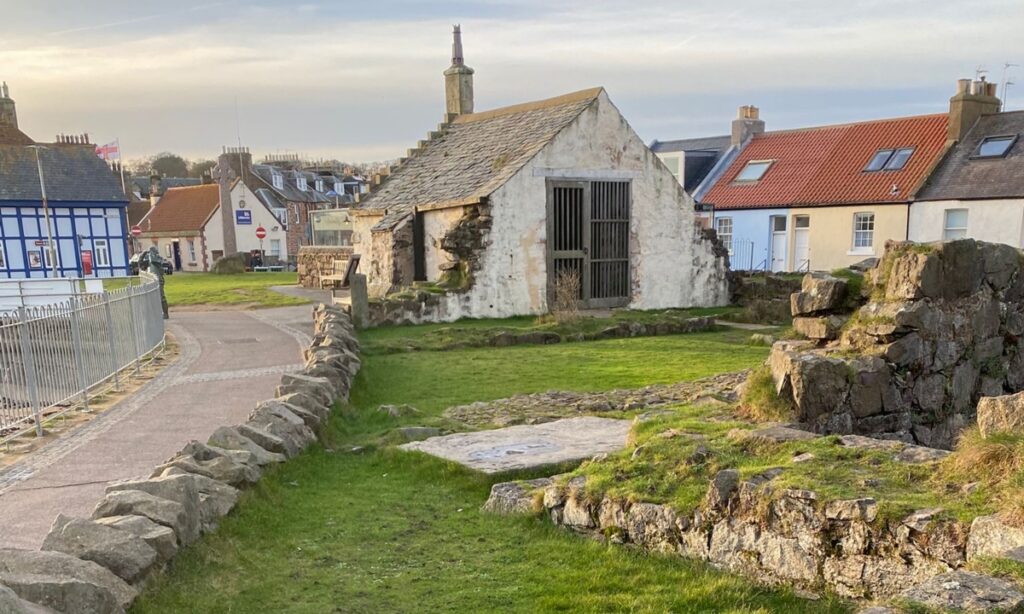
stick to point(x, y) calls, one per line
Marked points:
point(523, 107)
point(850, 124)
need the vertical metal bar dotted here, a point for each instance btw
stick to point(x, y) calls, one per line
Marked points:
point(135, 330)
point(114, 367)
point(76, 343)
point(30, 369)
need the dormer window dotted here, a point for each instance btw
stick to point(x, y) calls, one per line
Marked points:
point(889, 159)
point(995, 146)
point(300, 182)
point(319, 185)
point(339, 187)
point(278, 180)
point(754, 170)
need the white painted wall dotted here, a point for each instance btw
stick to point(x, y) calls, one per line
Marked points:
point(245, 234)
point(671, 266)
point(993, 220)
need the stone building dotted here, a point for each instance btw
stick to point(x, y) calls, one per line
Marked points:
point(495, 204)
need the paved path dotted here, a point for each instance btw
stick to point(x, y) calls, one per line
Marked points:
point(230, 360)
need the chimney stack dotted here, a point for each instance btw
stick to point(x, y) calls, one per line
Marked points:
point(746, 124)
point(973, 99)
point(8, 113)
point(458, 81)
point(154, 189)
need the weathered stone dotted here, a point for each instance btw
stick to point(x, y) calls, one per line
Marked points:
point(126, 555)
point(417, 433)
point(577, 513)
point(869, 443)
point(319, 388)
point(777, 433)
point(654, 526)
point(862, 575)
point(990, 537)
point(865, 509)
point(398, 411)
point(10, 603)
point(508, 498)
point(966, 591)
point(818, 292)
point(913, 275)
point(230, 438)
point(263, 438)
point(160, 538)
point(1001, 414)
point(920, 454)
point(307, 402)
point(64, 582)
point(780, 363)
point(869, 385)
point(821, 328)
point(216, 499)
point(722, 488)
point(820, 384)
point(220, 468)
point(137, 503)
point(179, 488)
point(277, 419)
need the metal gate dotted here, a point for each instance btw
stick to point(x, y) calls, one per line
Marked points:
point(588, 230)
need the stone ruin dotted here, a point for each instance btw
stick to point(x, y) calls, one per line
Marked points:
point(943, 326)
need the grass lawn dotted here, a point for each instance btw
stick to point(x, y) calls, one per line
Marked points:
point(237, 289)
point(352, 526)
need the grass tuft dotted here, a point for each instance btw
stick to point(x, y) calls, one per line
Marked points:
point(760, 402)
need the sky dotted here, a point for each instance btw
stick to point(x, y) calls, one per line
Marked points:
point(361, 81)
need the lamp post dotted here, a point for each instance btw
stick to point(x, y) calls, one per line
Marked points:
point(46, 212)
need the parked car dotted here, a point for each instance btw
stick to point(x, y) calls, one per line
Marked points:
point(142, 261)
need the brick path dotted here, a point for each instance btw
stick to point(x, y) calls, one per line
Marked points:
point(230, 360)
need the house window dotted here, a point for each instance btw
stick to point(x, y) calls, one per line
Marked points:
point(169, 254)
point(275, 248)
point(339, 187)
point(754, 170)
point(278, 180)
point(995, 146)
point(889, 159)
point(955, 225)
point(863, 231)
point(724, 227)
point(300, 182)
point(319, 185)
point(102, 252)
point(672, 162)
point(191, 251)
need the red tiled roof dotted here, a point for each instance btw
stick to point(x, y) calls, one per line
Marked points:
point(183, 209)
point(825, 166)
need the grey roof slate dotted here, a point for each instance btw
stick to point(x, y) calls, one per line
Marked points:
point(475, 155)
point(709, 143)
point(701, 155)
point(289, 191)
point(961, 176)
point(71, 173)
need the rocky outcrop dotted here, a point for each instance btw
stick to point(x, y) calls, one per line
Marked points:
point(963, 591)
point(1004, 413)
point(819, 293)
point(943, 329)
point(88, 566)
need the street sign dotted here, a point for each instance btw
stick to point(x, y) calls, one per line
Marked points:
point(261, 233)
point(41, 242)
point(136, 230)
point(243, 216)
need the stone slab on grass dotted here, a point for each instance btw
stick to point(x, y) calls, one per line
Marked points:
point(528, 446)
point(966, 591)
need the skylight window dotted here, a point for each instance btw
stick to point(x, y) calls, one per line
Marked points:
point(754, 170)
point(995, 146)
point(889, 159)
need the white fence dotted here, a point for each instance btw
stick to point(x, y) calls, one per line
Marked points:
point(53, 355)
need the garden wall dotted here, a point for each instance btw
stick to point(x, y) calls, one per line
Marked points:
point(97, 565)
point(313, 260)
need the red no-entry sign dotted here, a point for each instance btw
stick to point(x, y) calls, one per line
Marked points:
point(261, 232)
point(136, 230)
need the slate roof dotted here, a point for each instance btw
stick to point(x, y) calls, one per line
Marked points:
point(9, 135)
point(825, 166)
point(71, 173)
point(961, 177)
point(700, 156)
point(474, 156)
point(137, 210)
point(289, 191)
point(708, 143)
point(183, 209)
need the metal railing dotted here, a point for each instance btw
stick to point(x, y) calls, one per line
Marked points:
point(53, 357)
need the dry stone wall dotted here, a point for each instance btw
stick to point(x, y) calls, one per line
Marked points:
point(97, 565)
point(314, 260)
point(943, 328)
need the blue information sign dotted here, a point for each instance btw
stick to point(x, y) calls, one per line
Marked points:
point(243, 216)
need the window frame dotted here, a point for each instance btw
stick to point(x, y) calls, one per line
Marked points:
point(946, 228)
point(722, 235)
point(277, 180)
point(192, 251)
point(3, 256)
point(767, 166)
point(896, 152)
point(101, 246)
point(301, 183)
point(275, 243)
point(891, 154)
point(870, 233)
point(1012, 138)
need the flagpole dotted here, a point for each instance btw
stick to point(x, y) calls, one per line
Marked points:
point(120, 163)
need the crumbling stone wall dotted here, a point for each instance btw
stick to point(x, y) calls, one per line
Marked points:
point(314, 260)
point(943, 327)
point(464, 242)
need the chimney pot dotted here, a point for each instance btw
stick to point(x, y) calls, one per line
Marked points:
point(973, 99)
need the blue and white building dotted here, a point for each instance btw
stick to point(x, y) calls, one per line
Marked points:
point(87, 206)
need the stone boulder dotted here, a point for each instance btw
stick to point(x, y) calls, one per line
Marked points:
point(137, 503)
point(63, 582)
point(178, 488)
point(509, 498)
point(819, 328)
point(231, 438)
point(991, 537)
point(319, 388)
point(966, 591)
point(307, 402)
point(819, 385)
point(276, 419)
point(216, 499)
point(160, 538)
point(818, 293)
point(128, 556)
point(220, 468)
point(10, 603)
point(1002, 413)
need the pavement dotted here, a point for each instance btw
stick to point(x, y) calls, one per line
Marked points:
point(229, 361)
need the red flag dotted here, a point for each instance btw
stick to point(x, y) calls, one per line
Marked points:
point(110, 151)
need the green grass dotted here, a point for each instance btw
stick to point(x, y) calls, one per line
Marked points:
point(478, 333)
point(248, 289)
point(379, 530)
point(759, 400)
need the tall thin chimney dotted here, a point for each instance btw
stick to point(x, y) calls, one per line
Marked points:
point(747, 124)
point(973, 99)
point(8, 112)
point(458, 81)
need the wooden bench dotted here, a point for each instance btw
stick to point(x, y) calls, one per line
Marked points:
point(336, 276)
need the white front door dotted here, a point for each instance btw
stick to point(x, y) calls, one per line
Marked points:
point(778, 255)
point(802, 242)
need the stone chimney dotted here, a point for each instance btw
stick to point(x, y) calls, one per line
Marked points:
point(458, 81)
point(154, 189)
point(233, 162)
point(8, 114)
point(239, 160)
point(746, 124)
point(973, 99)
